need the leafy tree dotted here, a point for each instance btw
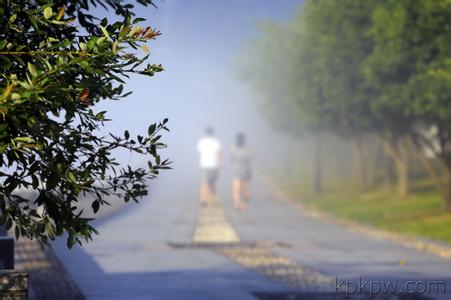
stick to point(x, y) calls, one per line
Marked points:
point(311, 67)
point(57, 63)
point(358, 67)
point(269, 65)
point(411, 68)
point(387, 69)
point(332, 43)
point(266, 68)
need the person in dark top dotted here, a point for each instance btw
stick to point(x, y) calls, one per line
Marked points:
point(241, 166)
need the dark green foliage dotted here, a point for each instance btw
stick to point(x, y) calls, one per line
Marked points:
point(410, 68)
point(54, 72)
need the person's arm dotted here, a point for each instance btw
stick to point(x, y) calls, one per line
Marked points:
point(199, 155)
point(219, 154)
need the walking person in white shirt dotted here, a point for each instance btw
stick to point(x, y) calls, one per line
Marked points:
point(209, 149)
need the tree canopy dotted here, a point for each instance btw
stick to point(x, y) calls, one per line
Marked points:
point(355, 67)
point(57, 62)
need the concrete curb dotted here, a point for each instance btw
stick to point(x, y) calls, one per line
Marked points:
point(420, 244)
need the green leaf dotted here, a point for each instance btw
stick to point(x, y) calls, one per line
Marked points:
point(25, 84)
point(47, 63)
point(95, 206)
point(58, 22)
point(101, 115)
point(70, 241)
point(71, 177)
point(52, 39)
point(9, 223)
point(115, 46)
point(33, 70)
point(24, 139)
point(12, 18)
point(152, 129)
point(52, 182)
point(3, 44)
point(3, 147)
point(104, 31)
point(48, 12)
point(138, 20)
point(17, 232)
point(83, 46)
point(34, 181)
point(100, 40)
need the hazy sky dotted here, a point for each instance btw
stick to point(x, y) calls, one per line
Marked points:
point(199, 47)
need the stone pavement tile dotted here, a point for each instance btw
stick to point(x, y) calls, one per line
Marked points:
point(330, 248)
point(48, 277)
point(131, 259)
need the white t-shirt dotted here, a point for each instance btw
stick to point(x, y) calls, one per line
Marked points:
point(209, 150)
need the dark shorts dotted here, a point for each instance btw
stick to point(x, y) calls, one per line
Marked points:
point(242, 173)
point(209, 176)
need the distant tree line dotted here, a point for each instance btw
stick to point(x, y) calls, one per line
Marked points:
point(359, 68)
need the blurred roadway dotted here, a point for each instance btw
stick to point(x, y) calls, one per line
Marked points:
point(147, 251)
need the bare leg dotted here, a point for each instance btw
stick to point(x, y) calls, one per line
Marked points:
point(211, 192)
point(204, 193)
point(246, 192)
point(237, 194)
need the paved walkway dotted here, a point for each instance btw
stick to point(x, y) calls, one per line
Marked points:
point(160, 249)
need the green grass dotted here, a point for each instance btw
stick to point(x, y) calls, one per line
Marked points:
point(421, 214)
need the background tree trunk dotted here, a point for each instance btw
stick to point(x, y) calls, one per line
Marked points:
point(387, 175)
point(402, 171)
point(397, 149)
point(358, 170)
point(442, 180)
point(446, 191)
point(373, 150)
